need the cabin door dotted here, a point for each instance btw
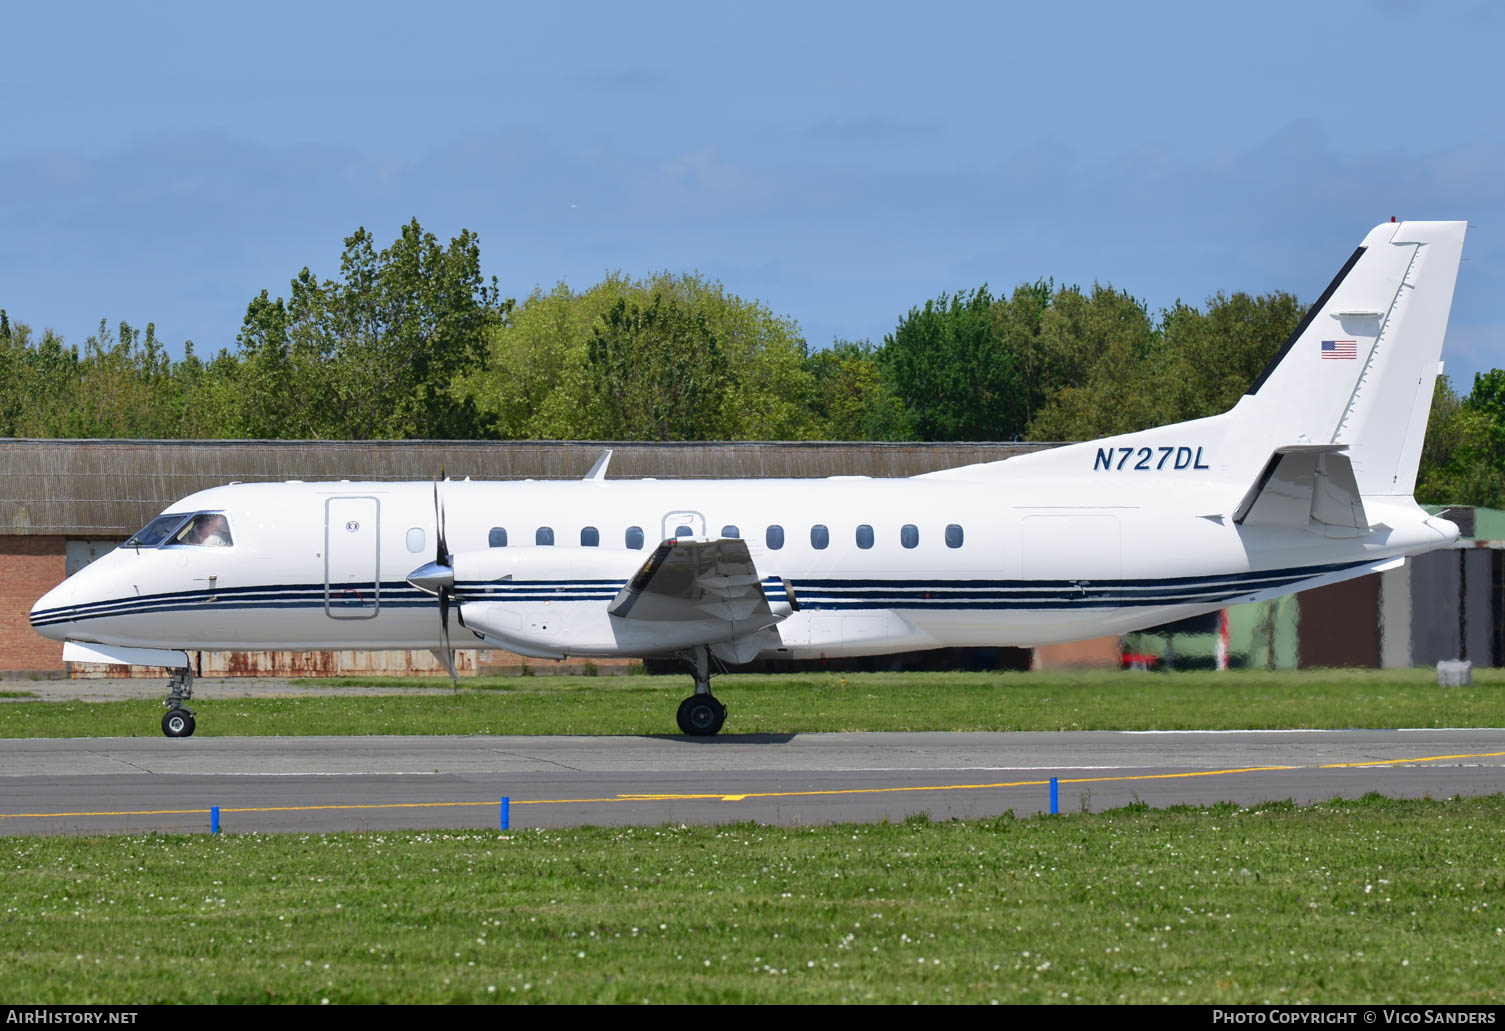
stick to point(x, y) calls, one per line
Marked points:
point(352, 558)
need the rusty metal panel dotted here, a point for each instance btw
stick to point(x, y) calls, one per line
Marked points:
point(392, 663)
point(330, 664)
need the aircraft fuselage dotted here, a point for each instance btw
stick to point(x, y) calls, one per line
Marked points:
point(875, 565)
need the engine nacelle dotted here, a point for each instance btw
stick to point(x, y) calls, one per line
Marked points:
point(552, 602)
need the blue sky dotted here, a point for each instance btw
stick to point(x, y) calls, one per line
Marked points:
point(840, 162)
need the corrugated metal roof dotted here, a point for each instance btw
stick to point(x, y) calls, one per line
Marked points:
point(108, 488)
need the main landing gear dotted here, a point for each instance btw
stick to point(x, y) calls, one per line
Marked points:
point(179, 719)
point(701, 715)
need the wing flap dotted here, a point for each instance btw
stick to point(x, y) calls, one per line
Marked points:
point(686, 580)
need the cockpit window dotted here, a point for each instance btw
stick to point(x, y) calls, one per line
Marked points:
point(156, 531)
point(205, 530)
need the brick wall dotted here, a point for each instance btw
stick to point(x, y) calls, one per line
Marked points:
point(29, 568)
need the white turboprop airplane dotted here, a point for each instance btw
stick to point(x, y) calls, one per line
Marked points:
point(1306, 481)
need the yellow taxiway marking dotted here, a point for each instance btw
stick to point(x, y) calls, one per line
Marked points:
point(948, 787)
point(311, 808)
point(1423, 759)
point(628, 797)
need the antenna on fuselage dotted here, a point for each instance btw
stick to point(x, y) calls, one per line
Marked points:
point(598, 471)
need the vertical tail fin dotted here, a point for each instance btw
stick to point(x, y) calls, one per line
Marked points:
point(1360, 368)
point(1355, 377)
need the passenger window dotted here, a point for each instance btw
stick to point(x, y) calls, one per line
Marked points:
point(205, 530)
point(864, 536)
point(731, 533)
point(544, 537)
point(635, 538)
point(820, 537)
point(497, 538)
point(683, 531)
point(775, 537)
point(590, 537)
point(909, 535)
point(953, 536)
point(415, 539)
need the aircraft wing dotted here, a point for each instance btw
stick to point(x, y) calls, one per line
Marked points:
point(685, 580)
point(1303, 484)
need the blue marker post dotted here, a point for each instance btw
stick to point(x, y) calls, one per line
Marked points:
point(506, 804)
point(214, 819)
point(1055, 797)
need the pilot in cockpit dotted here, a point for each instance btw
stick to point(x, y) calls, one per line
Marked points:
point(208, 530)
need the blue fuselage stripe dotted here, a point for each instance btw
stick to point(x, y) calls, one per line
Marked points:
point(813, 594)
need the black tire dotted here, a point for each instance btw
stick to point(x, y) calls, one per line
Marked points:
point(700, 715)
point(178, 723)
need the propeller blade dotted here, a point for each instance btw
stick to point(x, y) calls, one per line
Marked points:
point(438, 578)
point(442, 545)
point(446, 653)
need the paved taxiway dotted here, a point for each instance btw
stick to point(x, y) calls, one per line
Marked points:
point(367, 783)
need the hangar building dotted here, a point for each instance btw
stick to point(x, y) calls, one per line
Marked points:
point(65, 502)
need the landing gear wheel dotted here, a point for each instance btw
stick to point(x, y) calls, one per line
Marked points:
point(178, 723)
point(179, 719)
point(701, 715)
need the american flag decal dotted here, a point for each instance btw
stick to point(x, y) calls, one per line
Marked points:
point(1340, 349)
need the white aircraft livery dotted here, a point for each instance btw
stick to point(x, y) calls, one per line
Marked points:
point(1307, 481)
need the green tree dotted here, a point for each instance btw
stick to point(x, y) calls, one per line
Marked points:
point(540, 378)
point(849, 398)
point(1101, 356)
point(953, 373)
point(1018, 321)
point(1120, 372)
point(39, 381)
point(124, 384)
point(657, 373)
point(212, 396)
point(376, 352)
point(1488, 400)
point(532, 383)
point(1463, 457)
point(282, 391)
point(1217, 356)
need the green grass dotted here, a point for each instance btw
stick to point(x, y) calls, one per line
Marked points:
point(796, 703)
point(18, 694)
point(1344, 902)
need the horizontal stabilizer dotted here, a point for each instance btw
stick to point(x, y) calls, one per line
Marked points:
point(1302, 485)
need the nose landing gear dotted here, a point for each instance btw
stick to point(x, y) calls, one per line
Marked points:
point(178, 723)
point(179, 720)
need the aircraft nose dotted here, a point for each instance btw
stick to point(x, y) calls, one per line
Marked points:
point(51, 613)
